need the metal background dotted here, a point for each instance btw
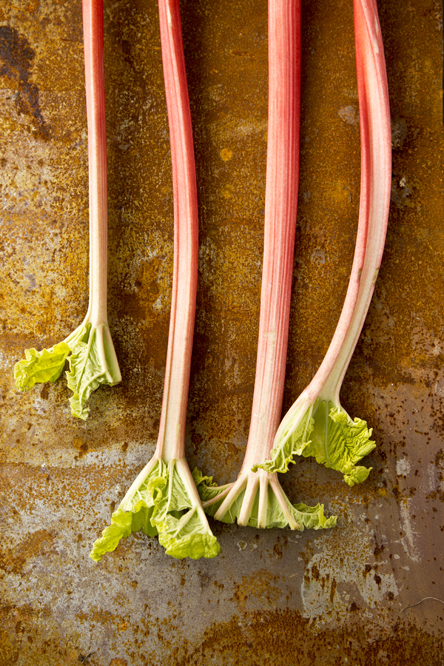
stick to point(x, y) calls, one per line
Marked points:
point(272, 597)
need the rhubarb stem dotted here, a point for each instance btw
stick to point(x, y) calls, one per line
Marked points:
point(316, 424)
point(280, 225)
point(256, 498)
point(89, 348)
point(95, 105)
point(171, 440)
point(374, 201)
point(164, 499)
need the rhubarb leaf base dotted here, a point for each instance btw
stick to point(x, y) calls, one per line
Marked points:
point(92, 363)
point(257, 500)
point(158, 503)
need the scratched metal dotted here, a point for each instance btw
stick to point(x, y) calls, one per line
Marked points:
point(277, 597)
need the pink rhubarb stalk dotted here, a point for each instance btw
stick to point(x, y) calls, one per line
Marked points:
point(164, 499)
point(316, 425)
point(89, 348)
point(257, 499)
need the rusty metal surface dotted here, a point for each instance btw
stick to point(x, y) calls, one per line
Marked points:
point(270, 597)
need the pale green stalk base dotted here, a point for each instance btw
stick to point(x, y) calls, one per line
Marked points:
point(92, 361)
point(162, 500)
point(324, 430)
point(257, 500)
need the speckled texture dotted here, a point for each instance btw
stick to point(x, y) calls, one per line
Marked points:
point(271, 597)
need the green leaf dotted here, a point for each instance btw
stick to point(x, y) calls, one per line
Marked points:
point(89, 369)
point(339, 442)
point(183, 528)
point(187, 536)
point(326, 432)
point(292, 442)
point(40, 367)
point(199, 479)
point(123, 523)
point(135, 511)
point(206, 487)
point(313, 516)
point(161, 505)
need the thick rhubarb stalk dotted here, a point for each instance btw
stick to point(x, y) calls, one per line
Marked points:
point(89, 348)
point(164, 499)
point(316, 425)
point(258, 499)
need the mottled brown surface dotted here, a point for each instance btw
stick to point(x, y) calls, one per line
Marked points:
point(271, 597)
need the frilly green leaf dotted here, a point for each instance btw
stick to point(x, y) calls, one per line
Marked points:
point(182, 525)
point(134, 513)
point(123, 523)
point(339, 442)
point(313, 516)
point(292, 442)
point(206, 487)
point(39, 367)
point(326, 432)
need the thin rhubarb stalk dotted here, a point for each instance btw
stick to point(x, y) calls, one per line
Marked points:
point(317, 425)
point(164, 499)
point(258, 499)
point(89, 348)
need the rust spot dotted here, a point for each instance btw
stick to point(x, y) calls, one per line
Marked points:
point(44, 392)
point(36, 544)
point(81, 446)
point(262, 585)
point(396, 492)
point(439, 464)
point(9, 649)
point(232, 641)
point(315, 572)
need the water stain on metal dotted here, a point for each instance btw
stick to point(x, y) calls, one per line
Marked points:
point(16, 56)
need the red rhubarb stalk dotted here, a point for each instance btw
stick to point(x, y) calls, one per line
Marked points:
point(164, 499)
point(317, 425)
point(257, 499)
point(89, 348)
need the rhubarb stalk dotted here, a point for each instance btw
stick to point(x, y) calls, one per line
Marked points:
point(257, 499)
point(164, 499)
point(317, 425)
point(89, 348)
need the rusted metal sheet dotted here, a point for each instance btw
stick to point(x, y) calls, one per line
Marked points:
point(339, 597)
